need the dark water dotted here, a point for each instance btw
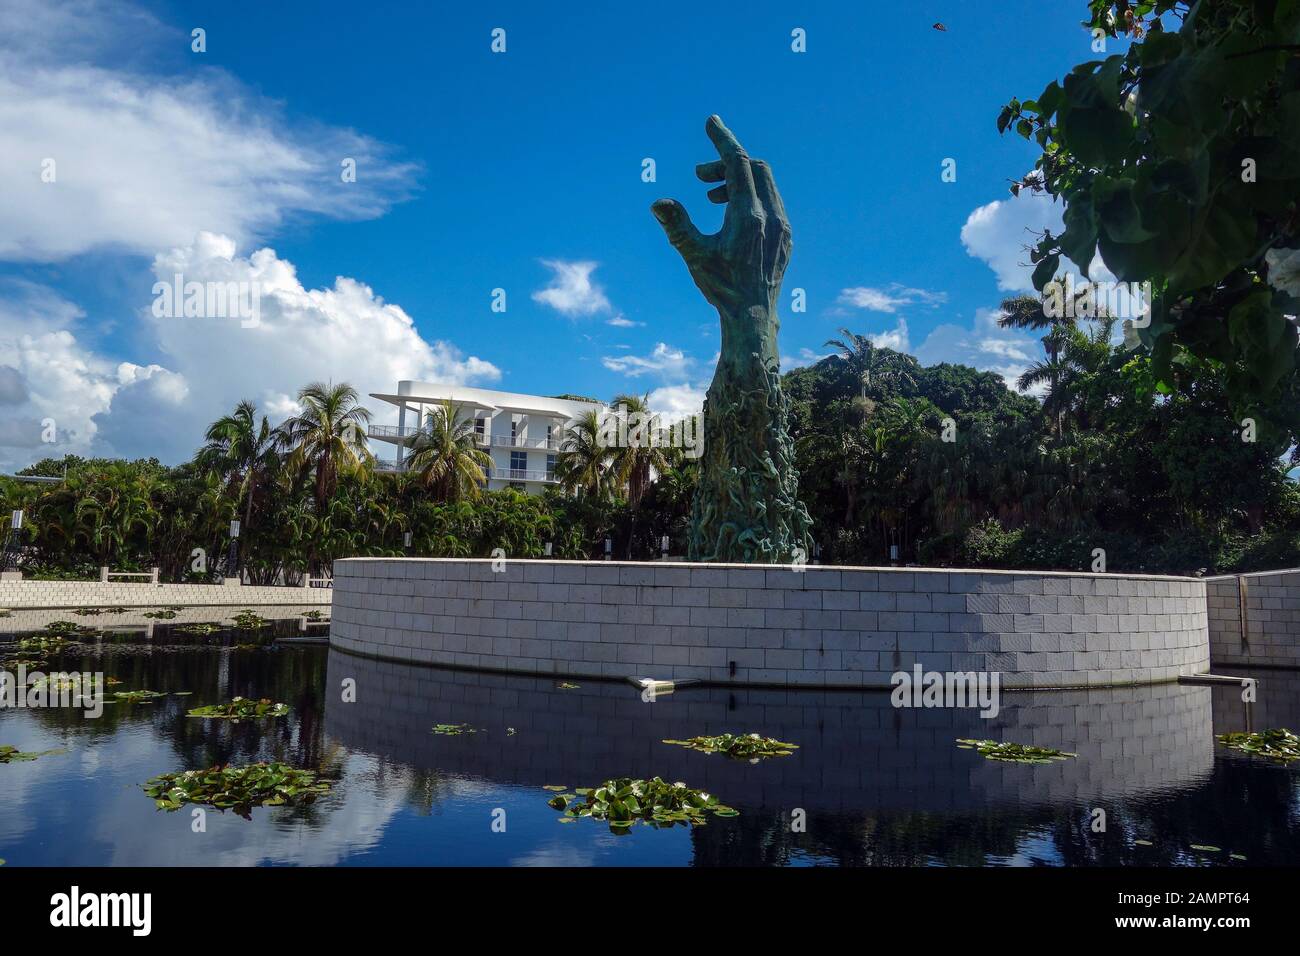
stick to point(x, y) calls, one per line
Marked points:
point(876, 785)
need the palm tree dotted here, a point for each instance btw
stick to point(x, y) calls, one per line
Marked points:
point(328, 437)
point(244, 450)
point(634, 465)
point(582, 465)
point(874, 366)
point(446, 456)
point(1027, 312)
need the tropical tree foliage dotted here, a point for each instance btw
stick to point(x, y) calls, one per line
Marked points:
point(1178, 161)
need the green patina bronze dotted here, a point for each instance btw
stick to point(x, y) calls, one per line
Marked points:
point(746, 507)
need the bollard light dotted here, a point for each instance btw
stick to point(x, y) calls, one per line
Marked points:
point(234, 528)
point(609, 548)
point(406, 540)
point(16, 520)
point(663, 545)
point(548, 549)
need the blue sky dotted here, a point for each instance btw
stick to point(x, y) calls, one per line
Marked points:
point(476, 171)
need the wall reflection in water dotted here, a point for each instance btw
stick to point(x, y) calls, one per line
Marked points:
point(879, 785)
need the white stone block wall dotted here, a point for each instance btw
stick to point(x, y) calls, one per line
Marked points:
point(75, 594)
point(739, 624)
point(1272, 625)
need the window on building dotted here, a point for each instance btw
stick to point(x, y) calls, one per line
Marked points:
point(480, 428)
point(550, 466)
point(514, 428)
point(518, 463)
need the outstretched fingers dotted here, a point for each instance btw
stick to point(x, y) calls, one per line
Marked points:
point(735, 162)
point(766, 188)
point(677, 225)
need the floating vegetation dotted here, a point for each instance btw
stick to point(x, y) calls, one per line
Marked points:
point(452, 730)
point(248, 620)
point(13, 663)
point(201, 628)
point(62, 628)
point(510, 731)
point(242, 708)
point(1279, 744)
point(5, 612)
point(133, 697)
point(565, 685)
point(60, 683)
point(43, 643)
point(623, 802)
point(1014, 753)
point(246, 647)
point(165, 614)
point(1144, 843)
point(10, 754)
point(236, 788)
point(83, 611)
point(313, 615)
point(738, 746)
point(114, 610)
point(1206, 849)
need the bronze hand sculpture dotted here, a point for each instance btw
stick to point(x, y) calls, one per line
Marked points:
point(746, 506)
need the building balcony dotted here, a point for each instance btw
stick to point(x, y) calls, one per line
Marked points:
point(512, 441)
point(392, 431)
point(521, 474)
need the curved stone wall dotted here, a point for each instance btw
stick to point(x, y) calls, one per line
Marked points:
point(740, 624)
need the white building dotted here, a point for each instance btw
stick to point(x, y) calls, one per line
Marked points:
point(522, 433)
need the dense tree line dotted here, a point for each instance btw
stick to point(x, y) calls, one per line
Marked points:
point(944, 463)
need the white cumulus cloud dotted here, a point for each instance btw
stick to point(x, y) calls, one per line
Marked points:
point(571, 290)
point(344, 332)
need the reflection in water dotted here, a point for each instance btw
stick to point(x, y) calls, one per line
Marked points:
point(875, 785)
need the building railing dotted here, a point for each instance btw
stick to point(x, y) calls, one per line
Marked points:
point(511, 441)
point(392, 431)
point(499, 441)
point(520, 474)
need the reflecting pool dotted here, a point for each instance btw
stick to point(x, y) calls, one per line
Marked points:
point(869, 785)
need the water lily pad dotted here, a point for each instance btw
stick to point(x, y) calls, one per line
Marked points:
point(201, 628)
point(10, 754)
point(556, 787)
point(453, 730)
point(1206, 849)
point(248, 620)
point(165, 614)
point(738, 746)
point(1278, 745)
point(565, 685)
point(1016, 753)
point(134, 697)
point(236, 788)
point(623, 802)
point(241, 708)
